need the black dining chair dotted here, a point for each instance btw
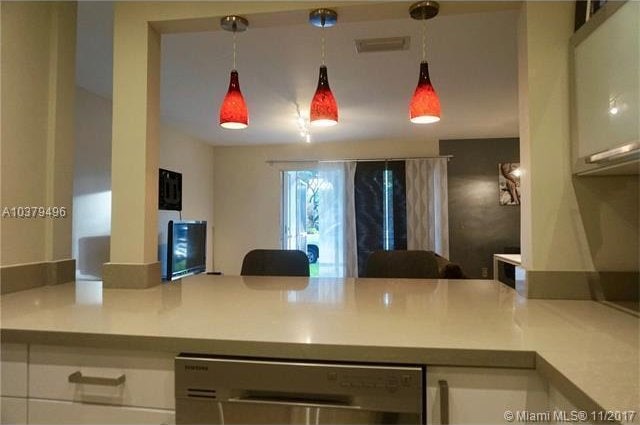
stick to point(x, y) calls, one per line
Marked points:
point(402, 264)
point(275, 262)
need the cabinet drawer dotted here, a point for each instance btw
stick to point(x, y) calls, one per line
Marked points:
point(147, 377)
point(13, 410)
point(13, 369)
point(66, 412)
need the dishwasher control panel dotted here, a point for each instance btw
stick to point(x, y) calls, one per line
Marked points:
point(388, 383)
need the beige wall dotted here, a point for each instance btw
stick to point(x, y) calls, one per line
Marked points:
point(38, 84)
point(568, 223)
point(610, 211)
point(194, 159)
point(92, 184)
point(247, 190)
point(134, 147)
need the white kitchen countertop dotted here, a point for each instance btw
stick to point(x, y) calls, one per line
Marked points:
point(584, 346)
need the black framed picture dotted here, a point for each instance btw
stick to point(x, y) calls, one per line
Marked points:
point(169, 190)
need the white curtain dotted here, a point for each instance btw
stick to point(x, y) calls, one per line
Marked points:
point(337, 222)
point(427, 205)
point(294, 203)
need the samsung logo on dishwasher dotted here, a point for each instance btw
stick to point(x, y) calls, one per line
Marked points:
point(196, 368)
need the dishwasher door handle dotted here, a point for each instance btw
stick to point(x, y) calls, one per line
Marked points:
point(292, 403)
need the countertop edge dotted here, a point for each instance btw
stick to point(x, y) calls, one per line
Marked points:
point(456, 357)
point(566, 386)
point(517, 359)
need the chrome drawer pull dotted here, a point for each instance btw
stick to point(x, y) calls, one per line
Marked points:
point(77, 378)
point(630, 151)
point(444, 402)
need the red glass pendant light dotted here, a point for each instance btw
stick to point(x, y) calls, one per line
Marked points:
point(424, 107)
point(324, 108)
point(425, 104)
point(234, 114)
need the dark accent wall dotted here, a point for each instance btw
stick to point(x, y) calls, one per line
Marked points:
point(478, 225)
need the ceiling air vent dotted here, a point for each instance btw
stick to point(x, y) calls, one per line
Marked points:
point(389, 44)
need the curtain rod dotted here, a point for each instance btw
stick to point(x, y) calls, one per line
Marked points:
point(289, 161)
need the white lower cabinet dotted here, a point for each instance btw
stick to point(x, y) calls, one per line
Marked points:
point(13, 389)
point(483, 395)
point(99, 386)
point(102, 376)
point(79, 385)
point(13, 370)
point(65, 412)
point(13, 410)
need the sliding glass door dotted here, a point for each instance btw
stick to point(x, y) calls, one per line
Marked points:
point(300, 225)
point(313, 218)
point(380, 208)
point(294, 206)
point(340, 212)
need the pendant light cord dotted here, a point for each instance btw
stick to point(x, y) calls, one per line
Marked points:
point(234, 50)
point(322, 45)
point(424, 40)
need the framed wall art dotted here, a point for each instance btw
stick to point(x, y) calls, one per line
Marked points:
point(509, 183)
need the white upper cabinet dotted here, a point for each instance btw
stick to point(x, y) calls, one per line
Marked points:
point(606, 91)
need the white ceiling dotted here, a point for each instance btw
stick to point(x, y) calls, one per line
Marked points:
point(472, 57)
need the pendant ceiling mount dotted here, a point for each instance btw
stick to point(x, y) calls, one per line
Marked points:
point(234, 114)
point(324, 108)
point(424, 107)
point(424, 10)
point(323, 18)
point(234, 23)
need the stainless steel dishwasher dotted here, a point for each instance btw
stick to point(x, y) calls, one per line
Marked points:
point(215, 390)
